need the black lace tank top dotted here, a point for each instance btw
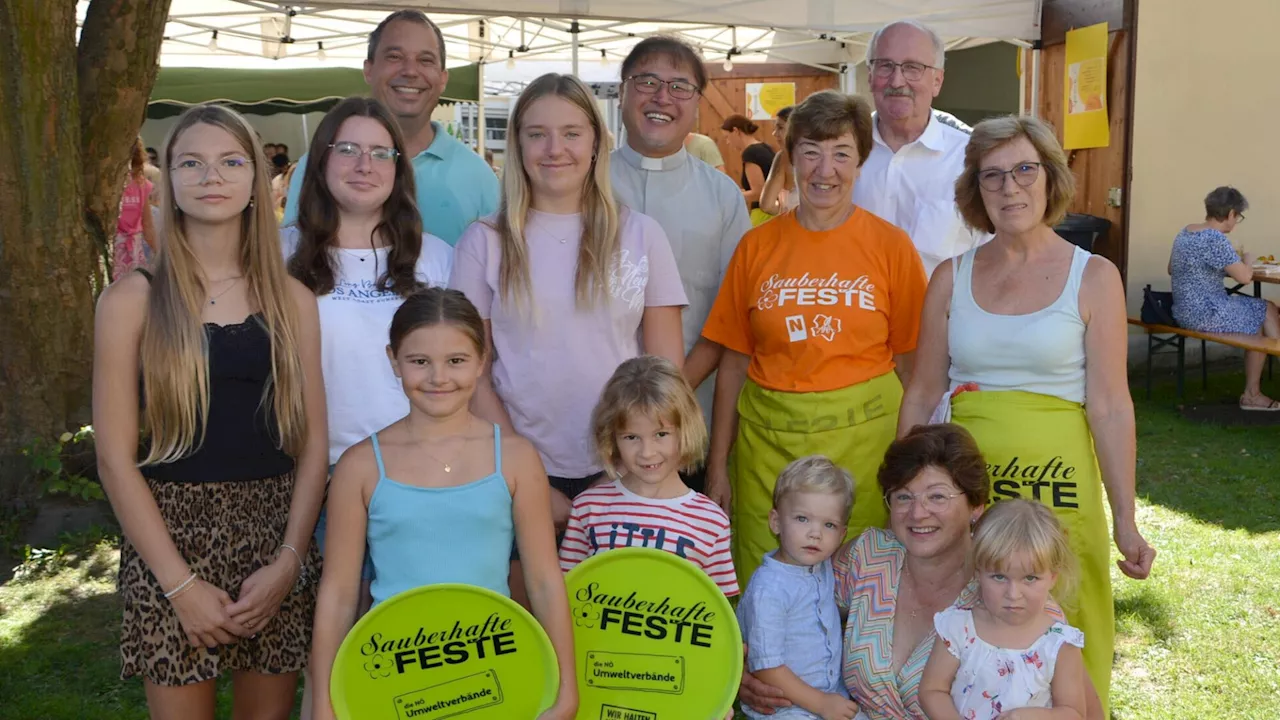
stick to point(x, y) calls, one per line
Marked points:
point(240, 442)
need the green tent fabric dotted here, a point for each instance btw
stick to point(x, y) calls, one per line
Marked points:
point(267, 92)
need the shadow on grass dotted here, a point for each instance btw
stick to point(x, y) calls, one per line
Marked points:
point(65, 663)
point(1217, 471)
point(1148, 609)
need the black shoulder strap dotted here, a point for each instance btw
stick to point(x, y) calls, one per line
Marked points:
point(146, 274)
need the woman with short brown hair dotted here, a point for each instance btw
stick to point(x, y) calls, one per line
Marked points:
point(890, 581)
point(1015, 334)
point(818, 315)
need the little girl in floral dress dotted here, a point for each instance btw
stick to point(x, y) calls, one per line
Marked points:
point(1007, 658)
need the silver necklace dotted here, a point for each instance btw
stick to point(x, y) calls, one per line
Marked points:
point(360, 253)
point(214, 300)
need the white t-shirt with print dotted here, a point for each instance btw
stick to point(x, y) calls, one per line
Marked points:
point(362, 393)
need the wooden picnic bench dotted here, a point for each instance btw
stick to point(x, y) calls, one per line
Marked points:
point(1176, 342)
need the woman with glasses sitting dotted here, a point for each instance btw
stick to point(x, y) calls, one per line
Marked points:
point(1024, 341)
point(891, 581)
point(1201, 256)
point(359, 246)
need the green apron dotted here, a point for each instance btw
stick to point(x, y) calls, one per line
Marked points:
point(1039, 447)
point(852, 427)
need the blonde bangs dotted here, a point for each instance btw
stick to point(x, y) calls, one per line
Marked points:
point(649, 386)
point(599, 244)
point(814, 474)
point(174, 350)
point(1021, 527)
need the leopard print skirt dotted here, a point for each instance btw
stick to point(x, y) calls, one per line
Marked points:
point(225, 531)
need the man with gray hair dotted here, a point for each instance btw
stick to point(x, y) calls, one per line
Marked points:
point(917, 153)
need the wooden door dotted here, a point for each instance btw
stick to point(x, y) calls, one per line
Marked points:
point(1102, 174)
point(726, 94)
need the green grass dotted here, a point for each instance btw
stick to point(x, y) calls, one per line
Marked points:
point(1199, 639)
point(59, 635)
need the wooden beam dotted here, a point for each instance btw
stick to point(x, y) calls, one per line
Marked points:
point(1059, 16)
point(762, 71)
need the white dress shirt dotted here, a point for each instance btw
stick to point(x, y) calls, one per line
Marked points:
point(915, 189)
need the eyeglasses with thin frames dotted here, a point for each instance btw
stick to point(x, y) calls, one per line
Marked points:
point(650, 85)
point(352, 152)
point(1024, 174)
point(230, 169)
point(912, 71)
point(934, 500)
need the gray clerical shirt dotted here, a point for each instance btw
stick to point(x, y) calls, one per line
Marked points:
point(704, 216)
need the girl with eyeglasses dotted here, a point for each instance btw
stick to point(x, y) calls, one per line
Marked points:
point(359, 246)
point(216, 357)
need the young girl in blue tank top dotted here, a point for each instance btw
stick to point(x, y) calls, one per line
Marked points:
point(439, 495)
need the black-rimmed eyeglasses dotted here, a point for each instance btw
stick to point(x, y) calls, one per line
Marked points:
point(651, 84)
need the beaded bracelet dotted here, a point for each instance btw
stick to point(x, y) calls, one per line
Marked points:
point(179, 590)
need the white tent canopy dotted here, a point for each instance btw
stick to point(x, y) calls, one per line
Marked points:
point(268, 33)
point(1000, 19)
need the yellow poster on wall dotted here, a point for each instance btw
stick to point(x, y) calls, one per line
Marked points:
point(1084, 88)
point(764, 100)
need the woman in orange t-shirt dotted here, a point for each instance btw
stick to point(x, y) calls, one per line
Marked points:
point(818, 314)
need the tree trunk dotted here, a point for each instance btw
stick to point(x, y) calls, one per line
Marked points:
point(119, 46)
point(47, 256)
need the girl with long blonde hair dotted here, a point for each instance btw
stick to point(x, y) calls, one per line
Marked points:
point(217, 358)
point(569, 284)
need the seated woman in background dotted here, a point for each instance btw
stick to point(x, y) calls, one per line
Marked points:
point(1201, 256)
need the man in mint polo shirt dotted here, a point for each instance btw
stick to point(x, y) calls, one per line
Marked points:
point(406, 71)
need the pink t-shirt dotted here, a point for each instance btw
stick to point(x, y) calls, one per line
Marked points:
point(553, 359)
point(132, 203)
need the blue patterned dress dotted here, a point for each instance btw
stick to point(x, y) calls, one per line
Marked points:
point(1200, 302)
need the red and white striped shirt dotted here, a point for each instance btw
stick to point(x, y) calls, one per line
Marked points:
point(609, 516)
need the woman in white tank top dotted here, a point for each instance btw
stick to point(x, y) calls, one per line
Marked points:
point(1025, 341)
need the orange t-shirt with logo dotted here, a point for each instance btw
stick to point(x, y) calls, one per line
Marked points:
point(819, 311)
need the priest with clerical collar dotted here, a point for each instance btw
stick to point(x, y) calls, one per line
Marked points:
point(698, 207)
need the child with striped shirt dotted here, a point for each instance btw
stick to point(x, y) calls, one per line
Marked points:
point(647, 428)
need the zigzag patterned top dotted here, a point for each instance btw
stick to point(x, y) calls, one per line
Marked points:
point(867, 576)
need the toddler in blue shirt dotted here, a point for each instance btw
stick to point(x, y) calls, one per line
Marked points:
point(788, 614)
